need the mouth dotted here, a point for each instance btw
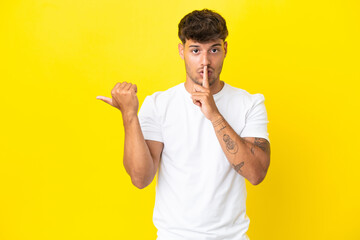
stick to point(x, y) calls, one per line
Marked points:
point(202, 73)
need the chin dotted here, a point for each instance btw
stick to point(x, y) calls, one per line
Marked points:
point(199, 82)
point(196, 81)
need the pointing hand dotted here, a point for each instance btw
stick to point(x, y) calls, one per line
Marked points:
point(123, 98)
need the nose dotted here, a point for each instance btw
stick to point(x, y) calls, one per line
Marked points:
point(205, 59)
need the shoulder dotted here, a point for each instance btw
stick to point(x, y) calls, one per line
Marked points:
point(241, 95)
point(163, 95)
point(161, 99)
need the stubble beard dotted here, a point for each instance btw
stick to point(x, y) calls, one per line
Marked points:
point(194, 80)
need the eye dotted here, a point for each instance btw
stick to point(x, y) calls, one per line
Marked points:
point(195, 51)
point(214, 50)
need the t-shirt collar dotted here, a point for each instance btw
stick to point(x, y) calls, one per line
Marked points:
point(216, 96)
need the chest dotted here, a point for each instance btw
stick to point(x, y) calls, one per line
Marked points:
point(186, 131)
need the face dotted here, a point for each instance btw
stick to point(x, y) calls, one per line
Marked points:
point(196, 55)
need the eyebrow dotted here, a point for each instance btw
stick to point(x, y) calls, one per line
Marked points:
point(216, 44)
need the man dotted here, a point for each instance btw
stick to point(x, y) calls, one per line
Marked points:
point(204, 137)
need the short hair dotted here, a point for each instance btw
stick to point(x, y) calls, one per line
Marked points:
point(202, 26)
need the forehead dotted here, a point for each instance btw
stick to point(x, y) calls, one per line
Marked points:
point(192, 43)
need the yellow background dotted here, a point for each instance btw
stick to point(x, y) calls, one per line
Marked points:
point(61, 171)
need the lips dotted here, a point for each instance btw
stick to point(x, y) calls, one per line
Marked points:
point(202, 73)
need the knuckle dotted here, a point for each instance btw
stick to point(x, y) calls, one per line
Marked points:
point(116, 92)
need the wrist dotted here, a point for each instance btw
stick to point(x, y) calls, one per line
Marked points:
point(215, 118)
point(129, 117)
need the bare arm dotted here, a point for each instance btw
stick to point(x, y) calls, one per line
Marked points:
point(250, 157)
point(141, 158)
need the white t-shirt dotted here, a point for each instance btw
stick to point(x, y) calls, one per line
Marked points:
point(198, 194)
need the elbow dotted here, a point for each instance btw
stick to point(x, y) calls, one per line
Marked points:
point(256, 181)
point(258, 178)
point(141, 180)
point(140, 186)
point(139, 183)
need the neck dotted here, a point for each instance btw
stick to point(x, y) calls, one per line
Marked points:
point(214, 88)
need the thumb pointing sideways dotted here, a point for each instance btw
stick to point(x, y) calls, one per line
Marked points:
point(105, 99)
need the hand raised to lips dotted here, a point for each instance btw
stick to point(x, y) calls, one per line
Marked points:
point(205, 82)
point(203, 98)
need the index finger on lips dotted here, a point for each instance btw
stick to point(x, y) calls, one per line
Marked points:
point(205, 82)
point(198, 88)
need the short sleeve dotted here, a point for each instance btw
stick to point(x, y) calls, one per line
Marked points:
point(256, 119)
point(150, 120)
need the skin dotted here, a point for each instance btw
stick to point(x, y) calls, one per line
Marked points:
point(140, 162)
point(199, 55)
point(249, 156)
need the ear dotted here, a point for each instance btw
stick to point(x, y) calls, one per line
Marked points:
point(225, 48)
point(181, 50)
